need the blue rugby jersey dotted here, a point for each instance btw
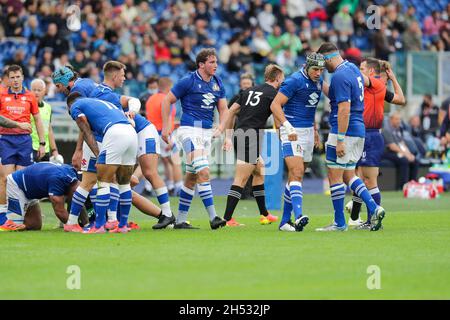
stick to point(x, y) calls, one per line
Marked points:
point(347, 84)
point(198, 99)
point(303, 96)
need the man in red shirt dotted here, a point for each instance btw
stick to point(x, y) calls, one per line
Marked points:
point(16, 151)
point(375, 94)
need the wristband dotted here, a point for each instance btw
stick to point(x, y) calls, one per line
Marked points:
point(340, 137)
point(42, 143)
point(289, 128)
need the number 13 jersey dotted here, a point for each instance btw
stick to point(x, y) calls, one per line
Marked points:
point(255, 106)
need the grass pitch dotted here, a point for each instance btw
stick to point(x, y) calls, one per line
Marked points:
point(251, 262)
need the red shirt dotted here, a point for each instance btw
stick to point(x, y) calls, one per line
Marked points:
point(374, 104)
point(17, 107)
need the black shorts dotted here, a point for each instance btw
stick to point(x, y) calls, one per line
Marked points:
point(248, 144)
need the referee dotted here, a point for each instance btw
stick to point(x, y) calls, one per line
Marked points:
point(252, 109)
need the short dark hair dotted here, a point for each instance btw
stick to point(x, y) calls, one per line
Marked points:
point(152, 79)
point(327, 47)
point(204, 54)
point(72, 97)
point(13, 68)
point(373, 63)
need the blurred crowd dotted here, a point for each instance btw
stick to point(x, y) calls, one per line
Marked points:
point(162, 37)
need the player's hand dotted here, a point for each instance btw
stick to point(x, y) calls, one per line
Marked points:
point(130, 118)
point(76, 159)
point(293, 136)
point(24, 126)
point(340, 149)
point(41, 152)
point(130, 114)
point(227, 144)
point(165, 135)
point(217, 132)
point(316, 139)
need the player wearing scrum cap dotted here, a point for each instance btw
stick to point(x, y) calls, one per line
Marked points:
point(298, 96)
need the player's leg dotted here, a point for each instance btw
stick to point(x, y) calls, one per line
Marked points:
point(243, 172)
point(354, 147)
point(370, 176)
point(336, 168)
point(145, 205)
point(168, 173)
point(259, 193)
point(123, 176)
point(87, 187)
point(33, 216)
point(354, 206)
point(16, 204)
point(175, 162)
point(5, 170)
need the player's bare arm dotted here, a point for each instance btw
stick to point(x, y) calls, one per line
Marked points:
point(343, 118)
point(232, 113)
point(222, 107)
point(58, 207)
point(87, 134)
point(325, 88)
point(277, 110)
point(169, 99)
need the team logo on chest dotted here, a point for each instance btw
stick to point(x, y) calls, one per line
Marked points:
point(313, 99)
point(208, 100)
point(215, 87)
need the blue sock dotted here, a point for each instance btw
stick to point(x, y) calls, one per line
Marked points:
point(125, 204)
point(186, 196)
point(78, 200)
point(295, 189)
point(93, 196)
point(113, 201)
point(359, 188)
point(205, 192)
point(103, 198)
point(287, 207)
point(376, 196)
point(163, 198)
point(338, 197)
point(3, 210)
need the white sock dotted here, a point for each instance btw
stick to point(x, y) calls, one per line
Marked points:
point(73, 219)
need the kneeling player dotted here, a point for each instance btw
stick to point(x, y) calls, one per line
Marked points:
point(41, 180)
point(253, 110)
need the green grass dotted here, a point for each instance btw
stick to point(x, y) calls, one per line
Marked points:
point(251, 262)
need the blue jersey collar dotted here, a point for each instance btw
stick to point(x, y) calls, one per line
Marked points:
point(341, 64)
point(302, 71)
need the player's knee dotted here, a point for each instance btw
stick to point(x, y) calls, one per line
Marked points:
point(296, 173)
point(203, 175)
point(150, 173)
point(134, 181)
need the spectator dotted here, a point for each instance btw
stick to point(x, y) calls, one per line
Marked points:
point(54, 41)
point(410, 16)
point(31, 30)
point(296, 10)
point(266, 19)
point(381, 42)
point(343, 24)
point(416, 129)
point(412, 38)
point(259, 43)
point(432, 24)
point(429, 115)
point(13, 26)
point(275, 40)
point(397, 151)
point(162, 52)
point(290, 41)
point(316, 39)
point(19, 60)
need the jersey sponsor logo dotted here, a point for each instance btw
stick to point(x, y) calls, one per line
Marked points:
point(313, 100)
point(7, 99)
point(209, 99)
point(23, 98)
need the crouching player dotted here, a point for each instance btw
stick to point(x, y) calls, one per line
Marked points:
point(26, 187)
point(115, 158)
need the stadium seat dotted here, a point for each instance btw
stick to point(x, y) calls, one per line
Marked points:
point(149, 68)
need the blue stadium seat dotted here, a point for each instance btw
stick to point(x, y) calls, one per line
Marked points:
point(149, 68)
point(165, 70)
